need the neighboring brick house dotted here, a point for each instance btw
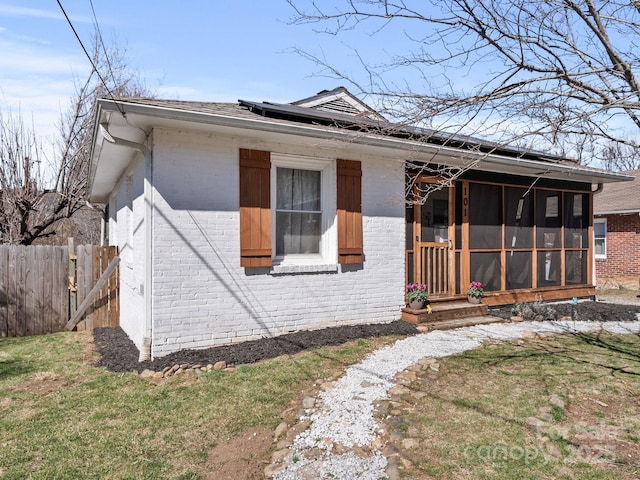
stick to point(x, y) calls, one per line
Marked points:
point(616, 226)
point(236, 221)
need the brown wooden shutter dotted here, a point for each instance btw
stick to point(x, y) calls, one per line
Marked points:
point(349, 203)
point(255, 208)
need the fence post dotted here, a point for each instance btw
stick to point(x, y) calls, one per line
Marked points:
point(73, 295)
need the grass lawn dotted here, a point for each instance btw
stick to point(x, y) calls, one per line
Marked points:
point(545, 408)
point(63, 418)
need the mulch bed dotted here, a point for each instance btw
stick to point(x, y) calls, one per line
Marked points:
point(119, 354)
point(588, 311)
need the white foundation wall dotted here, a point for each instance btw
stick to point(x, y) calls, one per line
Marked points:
point(126, 230)
point(201, 295)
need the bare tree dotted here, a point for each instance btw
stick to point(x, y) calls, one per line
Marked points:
point(558, 75)
point(20, 176)
point(37, 196)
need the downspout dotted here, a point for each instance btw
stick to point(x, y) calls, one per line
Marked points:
point(598, 189)
point(145, 350)
point(102, 229)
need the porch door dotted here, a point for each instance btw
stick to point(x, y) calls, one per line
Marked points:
point(433, 244)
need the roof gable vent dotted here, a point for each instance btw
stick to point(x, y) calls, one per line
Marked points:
point(339, 100)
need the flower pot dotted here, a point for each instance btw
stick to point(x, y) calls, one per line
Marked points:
point(416, 304)
point(474, 300)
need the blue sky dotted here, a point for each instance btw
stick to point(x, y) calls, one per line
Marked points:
point(190, 50)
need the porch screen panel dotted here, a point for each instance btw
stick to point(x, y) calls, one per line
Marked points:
point(576, 220)
point(435, 217)
point(485, 268)
point(549, 268)
point(548, 219)
point(575, 267)
point(410, 268)
point(518, 270)
point(457, 273)
point(409, 258)
point(518, 208)
point(485, 216)
point(458, 216)
point(409, 212)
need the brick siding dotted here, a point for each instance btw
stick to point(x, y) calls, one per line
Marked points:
point(622, 265)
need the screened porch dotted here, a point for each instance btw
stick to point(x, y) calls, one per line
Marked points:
point(523, 239)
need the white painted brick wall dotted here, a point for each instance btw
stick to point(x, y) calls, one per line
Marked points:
point(126, 231)
point(201, 295)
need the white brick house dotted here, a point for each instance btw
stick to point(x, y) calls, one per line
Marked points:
point(239, 221)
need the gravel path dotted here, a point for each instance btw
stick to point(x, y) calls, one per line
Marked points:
point(343, 421)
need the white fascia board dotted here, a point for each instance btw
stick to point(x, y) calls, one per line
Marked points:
point(617, 212)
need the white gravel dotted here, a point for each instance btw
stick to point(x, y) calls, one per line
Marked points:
point(343, 418)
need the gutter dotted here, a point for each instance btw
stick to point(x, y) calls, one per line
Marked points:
point(145, 350)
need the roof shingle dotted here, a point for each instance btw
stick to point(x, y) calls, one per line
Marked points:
point(619, 197)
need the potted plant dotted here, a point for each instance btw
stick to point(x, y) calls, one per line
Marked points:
point(417, 295)
point(475, 292)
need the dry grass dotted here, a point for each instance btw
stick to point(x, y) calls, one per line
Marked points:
point(557, 407)
point(63, 418)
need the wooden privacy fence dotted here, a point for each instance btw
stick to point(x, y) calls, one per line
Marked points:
point(91, 262)
point(41, 287)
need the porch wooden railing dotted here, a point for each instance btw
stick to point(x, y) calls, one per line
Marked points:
point(433, 271)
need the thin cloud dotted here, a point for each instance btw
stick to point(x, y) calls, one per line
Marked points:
point(20, 59)
point(17, 11)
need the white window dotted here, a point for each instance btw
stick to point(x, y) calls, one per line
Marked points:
point(600, 237)
point(303, 207)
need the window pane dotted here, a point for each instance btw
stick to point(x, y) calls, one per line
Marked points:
point(518, 208)
point(298, 189)
point(599, 229)
point(576, 220)
point(518, 270)
point(297, 232)
point(576, 268)
point(548, 218)
point(485, 268)
point(485, 216)
point(548, 269)
point(600, 248)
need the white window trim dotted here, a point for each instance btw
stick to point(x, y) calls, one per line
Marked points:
point(328, 238)
point(600, 255)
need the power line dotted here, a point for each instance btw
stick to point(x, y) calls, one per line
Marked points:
point(95, 68)
point(101, 40)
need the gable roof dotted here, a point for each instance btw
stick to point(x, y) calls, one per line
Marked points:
point(339, 100)
point(619, 198)
point(334, 116)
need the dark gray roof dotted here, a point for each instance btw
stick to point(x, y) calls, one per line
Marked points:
point(622, 197)
point(292, 114)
